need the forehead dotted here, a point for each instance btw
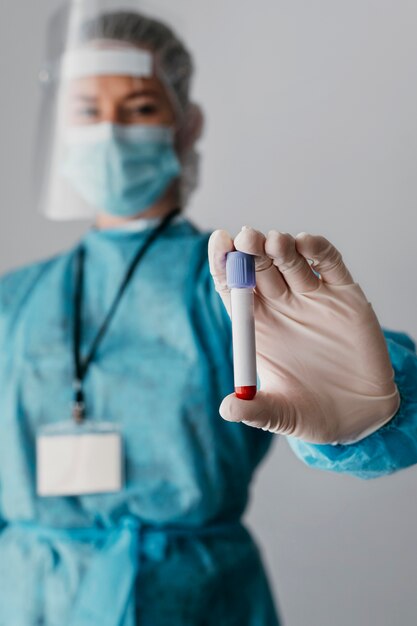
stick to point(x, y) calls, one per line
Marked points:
point(116, 86)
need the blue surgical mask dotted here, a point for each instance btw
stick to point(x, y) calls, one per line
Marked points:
point(122, 170)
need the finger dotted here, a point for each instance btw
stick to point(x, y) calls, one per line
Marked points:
point(265, 411)
point(281, 248)
point(269, 282)
point(327, 260)
point(220, 243)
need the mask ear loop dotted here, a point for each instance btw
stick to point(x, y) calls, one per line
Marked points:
point(187, 131)
point(190, 133)
point(184, 116)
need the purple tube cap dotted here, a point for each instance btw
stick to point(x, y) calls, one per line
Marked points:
point(240, 270)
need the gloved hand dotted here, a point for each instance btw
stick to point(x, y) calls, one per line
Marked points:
point(322, 360)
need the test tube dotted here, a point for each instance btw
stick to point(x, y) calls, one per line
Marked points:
point(240, 276)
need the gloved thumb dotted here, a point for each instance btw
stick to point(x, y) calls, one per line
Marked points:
point(266, 411)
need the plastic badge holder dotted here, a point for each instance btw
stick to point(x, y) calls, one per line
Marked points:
point(79, 459)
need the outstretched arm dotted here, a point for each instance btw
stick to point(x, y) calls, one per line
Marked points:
point(392, 447)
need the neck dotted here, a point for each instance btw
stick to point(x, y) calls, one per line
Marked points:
point(158, 210)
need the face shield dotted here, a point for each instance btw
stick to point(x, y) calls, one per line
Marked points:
point(115, 115)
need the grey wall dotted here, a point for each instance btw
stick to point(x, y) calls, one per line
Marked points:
point(311, 110)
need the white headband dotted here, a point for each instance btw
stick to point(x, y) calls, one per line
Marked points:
point(91, 62)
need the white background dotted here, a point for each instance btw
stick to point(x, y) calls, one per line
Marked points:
point(311, 126)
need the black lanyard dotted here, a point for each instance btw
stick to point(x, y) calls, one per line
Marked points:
point(81, 365)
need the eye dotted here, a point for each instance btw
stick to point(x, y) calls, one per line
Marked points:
point(86, 112)
point(83, 113)
point(136, 111)
point(147, 109)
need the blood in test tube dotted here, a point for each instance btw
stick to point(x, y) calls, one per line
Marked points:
point(241, 280)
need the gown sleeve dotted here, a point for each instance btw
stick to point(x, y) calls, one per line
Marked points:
point(391, 448)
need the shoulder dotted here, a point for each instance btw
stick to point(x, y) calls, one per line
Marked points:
point(194, 244)
point(188, 244)
point(204, 289)
point(189, 235)
point(16, 285)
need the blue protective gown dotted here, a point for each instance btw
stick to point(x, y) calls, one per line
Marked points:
point(168, 550)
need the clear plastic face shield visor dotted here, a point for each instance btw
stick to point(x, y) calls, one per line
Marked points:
point(114, 111)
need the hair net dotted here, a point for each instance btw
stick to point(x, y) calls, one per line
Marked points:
point(174, 62)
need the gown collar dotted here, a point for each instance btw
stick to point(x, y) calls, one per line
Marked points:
point(139, 225)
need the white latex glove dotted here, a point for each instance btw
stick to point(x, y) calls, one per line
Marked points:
point(322, 360)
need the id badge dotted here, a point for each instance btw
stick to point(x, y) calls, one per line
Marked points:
point(75, 460)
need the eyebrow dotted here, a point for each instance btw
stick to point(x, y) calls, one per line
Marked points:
point(145, 92)
point(132, 96)
point(85, 98)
